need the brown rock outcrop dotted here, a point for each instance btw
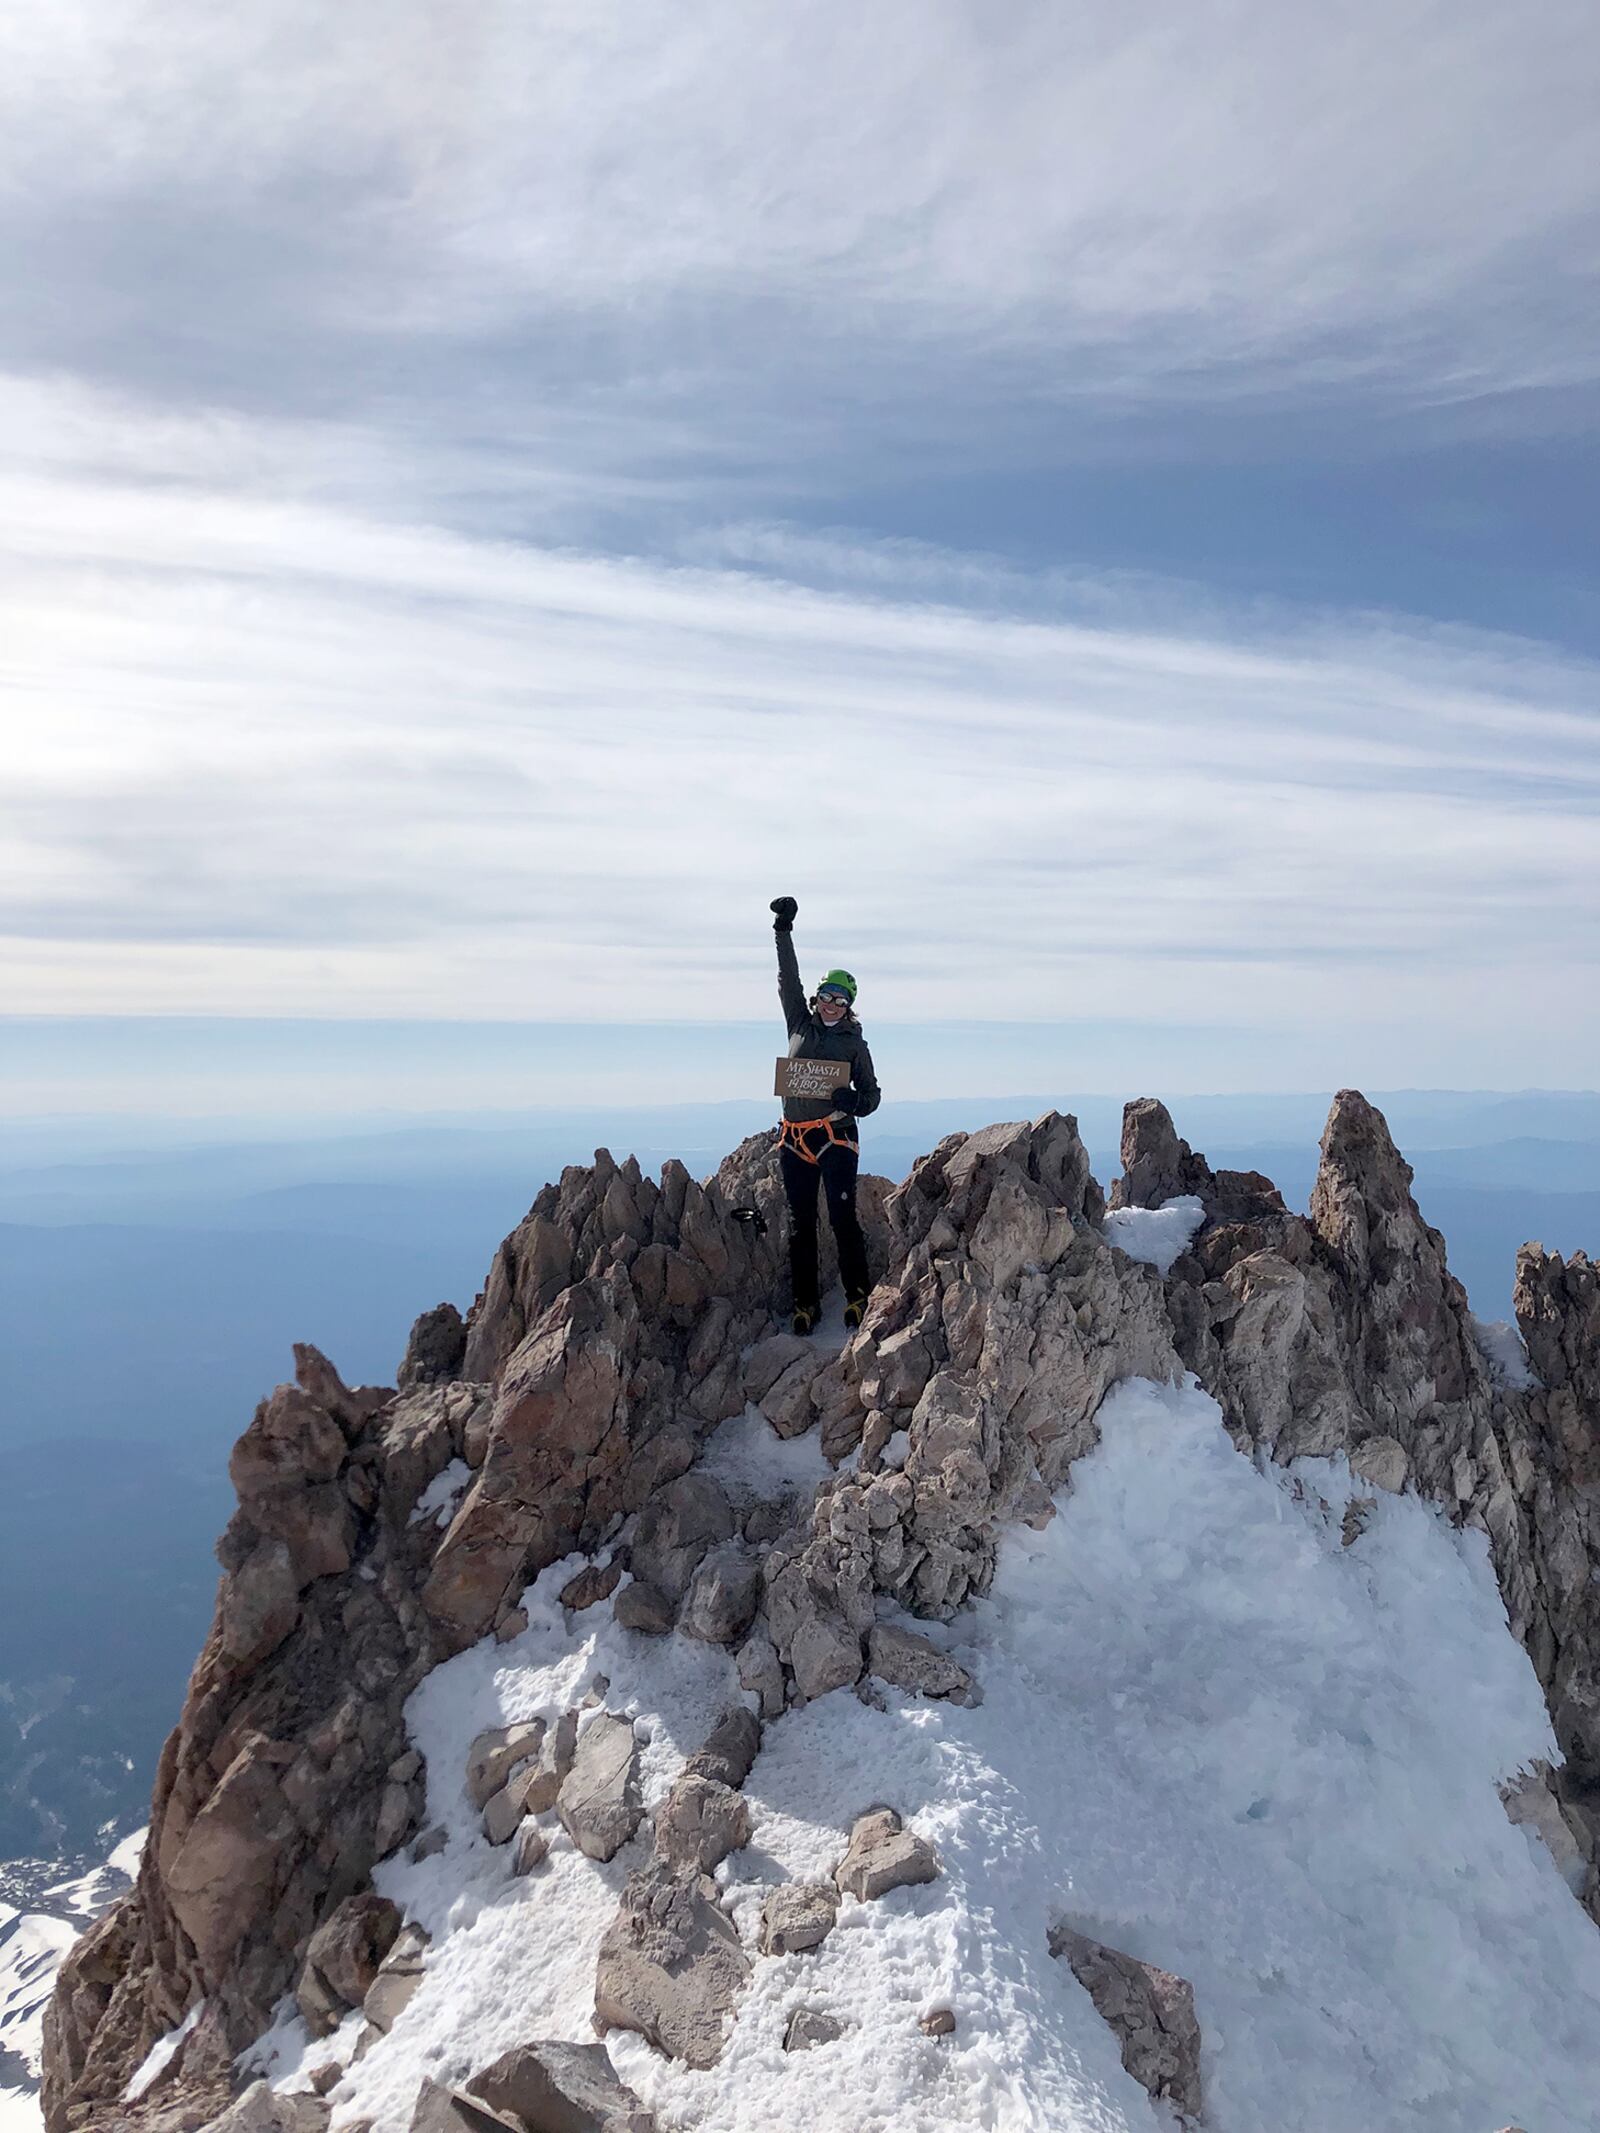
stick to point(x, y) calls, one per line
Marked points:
point(1340, 1327)
point(611, 1327)
point(1151, 2013)
point(1157, 1166)
point(1558, 1310)
point(495, 1754)
point(436, 1350)
point(274, 1796)
point(261, 2110)
point(730, 1749)
point(810, 2026)
point(343, 1960)
point(607, 1339)
point(884, 1855)
point(798, 1917)
point(907, 1661)
point(621, 1323)
point(599, 1801)
point(670, 1965)
point(551, 2087)
point(700, 1822)
point(400, 1973)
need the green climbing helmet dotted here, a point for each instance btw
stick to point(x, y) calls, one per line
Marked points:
point(840, 981)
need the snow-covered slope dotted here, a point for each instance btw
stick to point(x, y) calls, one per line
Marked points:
point(31, 1948)
point(32, 1943)
point(1212, 1734)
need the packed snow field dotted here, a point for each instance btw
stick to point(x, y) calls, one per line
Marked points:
point(31, 1948)
point(32, 1944)
point(1211, 1735)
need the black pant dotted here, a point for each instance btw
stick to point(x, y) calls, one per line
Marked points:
point(835, 1171)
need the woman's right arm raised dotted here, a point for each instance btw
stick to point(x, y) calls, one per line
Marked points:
point(790, 990)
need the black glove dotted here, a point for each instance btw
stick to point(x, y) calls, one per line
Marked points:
point(783, 909)
point(846, 1099)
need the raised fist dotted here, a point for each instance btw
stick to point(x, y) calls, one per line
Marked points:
point(783, 909)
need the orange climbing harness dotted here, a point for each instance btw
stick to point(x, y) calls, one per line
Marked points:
point(794, 1134)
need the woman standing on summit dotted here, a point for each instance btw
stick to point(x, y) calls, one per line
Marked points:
point(819, 1149)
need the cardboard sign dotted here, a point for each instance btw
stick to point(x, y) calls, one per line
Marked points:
point(815, 1079)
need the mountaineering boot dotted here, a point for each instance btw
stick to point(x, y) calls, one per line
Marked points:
point(854, 1311)
point(804, 1319)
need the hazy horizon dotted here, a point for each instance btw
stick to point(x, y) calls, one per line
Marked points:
point(66, 1074)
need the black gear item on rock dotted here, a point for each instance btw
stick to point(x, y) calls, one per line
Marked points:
point(783, 909)
point(854, 1311)
point(804, 1322)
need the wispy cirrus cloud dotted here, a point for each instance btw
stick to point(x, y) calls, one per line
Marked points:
point(272, 756)
point(1111, 201)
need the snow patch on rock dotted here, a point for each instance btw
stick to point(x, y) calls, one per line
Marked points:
point(1157, 1235)
point(444, 1492)
point(161, 2054)
point(1504, 1350)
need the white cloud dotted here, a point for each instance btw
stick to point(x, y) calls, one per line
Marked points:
point(347, 349)
point(1118, 199)
point(270, 756)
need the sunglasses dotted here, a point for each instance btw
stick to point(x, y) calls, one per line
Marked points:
point(833, 992)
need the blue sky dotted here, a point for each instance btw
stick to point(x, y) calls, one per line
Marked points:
point(1097, 502)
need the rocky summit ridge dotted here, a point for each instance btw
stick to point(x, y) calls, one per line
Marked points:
point(574, 1411)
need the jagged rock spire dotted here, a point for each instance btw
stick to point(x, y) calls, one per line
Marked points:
point(1412, 1346)
point(1557, 1302)
point(1156, 1165)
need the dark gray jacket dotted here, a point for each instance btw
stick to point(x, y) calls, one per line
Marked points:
point(811, 1038)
